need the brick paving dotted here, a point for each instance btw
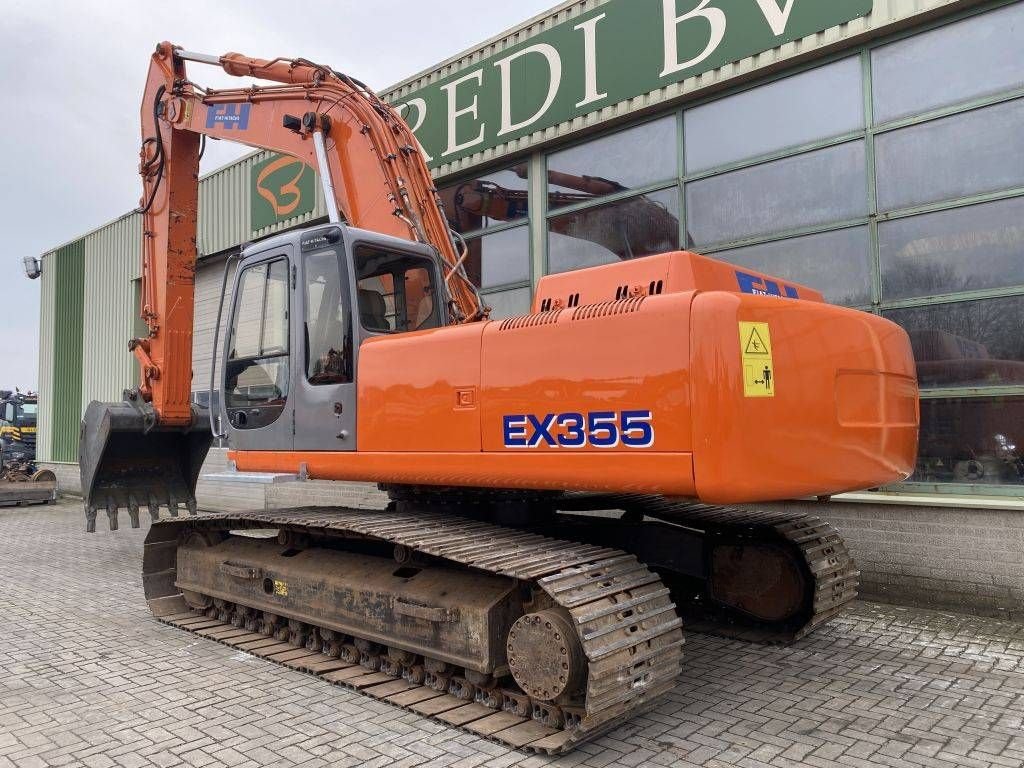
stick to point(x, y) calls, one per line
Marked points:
point(87, 678)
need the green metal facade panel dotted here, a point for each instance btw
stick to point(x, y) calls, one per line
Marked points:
point(66, 397)
point(47, 316)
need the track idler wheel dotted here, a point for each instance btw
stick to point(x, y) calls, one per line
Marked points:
point(545, 656)
point(44, 476)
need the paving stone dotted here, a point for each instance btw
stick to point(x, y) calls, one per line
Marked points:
point(89, 678)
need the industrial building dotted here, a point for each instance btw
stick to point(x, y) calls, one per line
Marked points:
point(867, 148)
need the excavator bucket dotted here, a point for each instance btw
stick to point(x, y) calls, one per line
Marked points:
point(128, 461)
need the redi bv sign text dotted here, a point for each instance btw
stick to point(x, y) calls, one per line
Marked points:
point(617, 51)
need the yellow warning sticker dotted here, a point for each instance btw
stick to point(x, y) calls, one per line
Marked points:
point(280, 588)
point(756, 360)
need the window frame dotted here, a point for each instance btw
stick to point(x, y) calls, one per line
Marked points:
point(267, 260)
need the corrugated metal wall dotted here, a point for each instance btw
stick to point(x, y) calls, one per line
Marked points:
point(66, 399)
point(208, 282)
point(112, 260)
point(47, 318)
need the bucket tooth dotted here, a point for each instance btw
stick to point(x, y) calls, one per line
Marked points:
point(90, 519)
point(133, 510)
point(112, 514)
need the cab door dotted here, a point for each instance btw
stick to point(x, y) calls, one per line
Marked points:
point(325, 390)
point(258, 356)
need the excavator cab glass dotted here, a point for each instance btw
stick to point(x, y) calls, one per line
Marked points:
point(396, 291)
point(257, 372)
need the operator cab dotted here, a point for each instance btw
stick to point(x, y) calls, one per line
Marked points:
point(17, 426)
point(303, 303)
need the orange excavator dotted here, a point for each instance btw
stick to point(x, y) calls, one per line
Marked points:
point(558, 480)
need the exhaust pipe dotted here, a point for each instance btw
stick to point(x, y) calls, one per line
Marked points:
point(128, 461)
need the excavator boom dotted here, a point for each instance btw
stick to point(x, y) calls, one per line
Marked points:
point(373, 175)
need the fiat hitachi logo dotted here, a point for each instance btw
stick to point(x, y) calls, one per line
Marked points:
point(761, 286)
point(228, 116)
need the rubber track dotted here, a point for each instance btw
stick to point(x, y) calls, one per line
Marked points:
point(822, 548)
point(632, 661)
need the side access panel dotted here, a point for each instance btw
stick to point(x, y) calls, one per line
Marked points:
point(421, 391)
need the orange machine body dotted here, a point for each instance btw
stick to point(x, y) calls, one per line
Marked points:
point(644, 393)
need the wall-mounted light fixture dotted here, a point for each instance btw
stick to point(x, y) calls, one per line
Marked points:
point(33, 267)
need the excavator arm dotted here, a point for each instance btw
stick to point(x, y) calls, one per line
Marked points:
point(369, 162)
point(147, 450)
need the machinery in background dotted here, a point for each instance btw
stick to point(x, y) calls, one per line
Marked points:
point(558, 481)
point(21, 482)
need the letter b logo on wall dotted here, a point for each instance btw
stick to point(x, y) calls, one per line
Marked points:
point(282, 188)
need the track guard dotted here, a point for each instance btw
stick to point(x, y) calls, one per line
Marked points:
point(129, 461)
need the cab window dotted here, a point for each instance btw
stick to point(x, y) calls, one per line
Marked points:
point(396, 291)
point(327, 329)
point(256, 374)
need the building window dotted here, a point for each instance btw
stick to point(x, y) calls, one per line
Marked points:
point(971, 441)
point(971, 248)
point(487, 200)
point(966, 343)
point(818, 104)
point(634, 158)
point(499, 258)
point(807, 190)
point(919, 74)
point(491, 210)
point(969, 153)
point(605, 234)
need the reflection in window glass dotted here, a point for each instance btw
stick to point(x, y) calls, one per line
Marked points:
point(824, 102)
point(631, 158)
point(486, 200)
point(919, 74)
point(500, 258)
point(976, 441)
point(275, 311)
point(245, 330)
point(604, 234)
point(328, 335)
point(260, 327)
point(956, 156)
point(829, 185)
point(964, 249)
point(836, 263)
point(967, 343)
point(509, 303)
